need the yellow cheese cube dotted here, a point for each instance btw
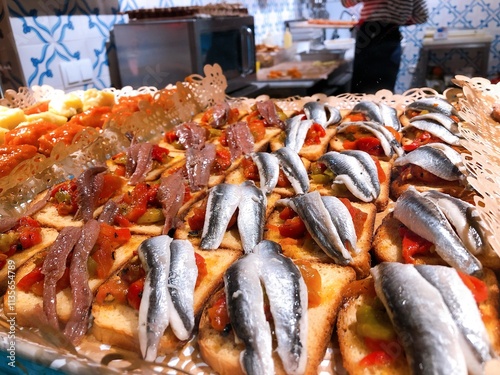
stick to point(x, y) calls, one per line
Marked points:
point(96, 98)
point(66, 105)
point(11, 117)
point(46, 116)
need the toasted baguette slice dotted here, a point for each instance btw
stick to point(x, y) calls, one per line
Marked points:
point(231, 238)
point(387, 247)
point(19, 258)
point(116, 324)
point(340, 190)
point(222, 353)
point(29, 306)
point(352, 346)
point(310, 152)
point(453, 188)
point(306, 248)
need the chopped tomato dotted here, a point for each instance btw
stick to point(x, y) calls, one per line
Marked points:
point(65, 197)
point(114, 290)
point(218, 315)
point(171, 136)
point(234, 115)
point(134, 295)
point(293, 228)
point(197, 220)
point(358, 216)
point(353, 117)
point(30, 233)
point(477, 286)
point(132, 272)
point(138, 200)
point(380, 171)
point(250, 170)
point(110, 238)
point(112, 184)
point(375, 358)
point(412, 171)
point(371, 145)
point(160, 154)
point(287, 213)
point(421, 138)
point(258, 130)
point(312, 278)
point(314, 134)
point(28, 280)
point(223, 138)
point(283, 181)
point(222, 160)
point(413, 245)
point(202, 268)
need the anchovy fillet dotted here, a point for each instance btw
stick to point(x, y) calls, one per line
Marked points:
point(245, 305)
point(251, 215)
point(287, 294)
point(424, 218)
point(223, 200)
point(451, 154)
point(342, 220)
point(294, 169)
point(421, 319)
point(370, 109)
point(439, 118)
point(369, 164)
point(466, 315)
point(435, 129)
point(389, 116)
point(464, 217)
point(351, 172)
point(269, 170)
point(296, 132)
point(154, 254)
point(181, 283)
point(433, 104)
point(433, 160)
point(322, 114)
point(319, 223)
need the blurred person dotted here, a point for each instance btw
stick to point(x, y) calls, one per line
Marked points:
point(378, 41)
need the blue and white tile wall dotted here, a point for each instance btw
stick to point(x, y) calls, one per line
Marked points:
point(79, 29)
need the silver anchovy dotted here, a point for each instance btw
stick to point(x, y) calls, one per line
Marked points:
point(370, 109)
point(296, 132)
point(435, 129)
point(434, 161)
point(389, 116)
point(223, 200)
point(451, 154)
point(444, 120)
point(342, 220)
point(287, 294)
point(369, 164)
point(251, 215)
point(465, 219)
point(350, 171)
point(245, 306)
point(181, 283)
point(322, 113)
point(317, 219)
point(294, 169)
point(154, 254)
point(423, 217)
point(465, 313)
point(421, 319)
point(433, 104)
point(269, 170)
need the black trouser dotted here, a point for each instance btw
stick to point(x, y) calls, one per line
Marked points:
point(377, 57)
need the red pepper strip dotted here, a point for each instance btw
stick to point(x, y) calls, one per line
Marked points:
point(477, 286)
point(413, 244)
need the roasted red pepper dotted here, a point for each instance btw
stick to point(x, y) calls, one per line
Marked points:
point(413, 245)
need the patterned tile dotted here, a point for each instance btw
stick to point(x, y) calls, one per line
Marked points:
point(70, 30)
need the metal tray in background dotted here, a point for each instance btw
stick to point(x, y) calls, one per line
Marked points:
point(322, 55)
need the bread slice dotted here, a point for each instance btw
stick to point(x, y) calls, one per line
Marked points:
point(341, 191)
point(116, 324)
point(306, 248)
point(29, 306)
point(231, 238)
point(19, 258)
point(453, 188)
point(222, 353)
point(352, 346)
point(387, 247)
point(310, 152)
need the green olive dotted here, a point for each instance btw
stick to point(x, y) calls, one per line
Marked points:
point(152, 215)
